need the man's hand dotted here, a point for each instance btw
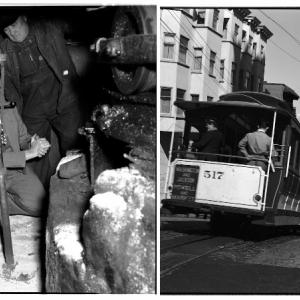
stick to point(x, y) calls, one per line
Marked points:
point(39, 147)
point(248, 157)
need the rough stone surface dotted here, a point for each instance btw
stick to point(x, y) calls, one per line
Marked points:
point(113, 250)
point(119, 231)
point(68, 201)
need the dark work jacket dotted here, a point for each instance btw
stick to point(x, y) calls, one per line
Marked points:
point(18, 139)
point(210, 142)
point(51, 44)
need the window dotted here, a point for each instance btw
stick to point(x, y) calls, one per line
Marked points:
point(297, 162)
point(262, 52)
point(212, 60)
point(254, 50)
point(244, 40)
point(215, 19)
point(169, 42)
point(165, 100)
point(198, 59)
point(183, 49)
point(241, 78)
point(180, 96)
point(294, 149)
point(225, 25)
point(247, 80)
point(222, 62)
point(236, 32)
point(252, 82)
point(210, 99)
point(201, 17)
point(260, 84)
point(250, 43)
point(195, 97)
point(233, 73)
point(295, 153)
point(244, 33)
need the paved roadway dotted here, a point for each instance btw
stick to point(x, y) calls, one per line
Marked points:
point(194, 262)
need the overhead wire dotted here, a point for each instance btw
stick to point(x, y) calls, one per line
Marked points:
point(279, 25)
point(286, 31)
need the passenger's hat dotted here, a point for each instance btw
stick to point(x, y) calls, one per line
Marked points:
point(211, 121)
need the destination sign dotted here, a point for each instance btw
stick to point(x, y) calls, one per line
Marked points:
point(185, 182)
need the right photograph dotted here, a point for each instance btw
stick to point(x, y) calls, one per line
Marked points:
point(229, 150)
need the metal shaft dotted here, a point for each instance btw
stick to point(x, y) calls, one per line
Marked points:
point(8, 249)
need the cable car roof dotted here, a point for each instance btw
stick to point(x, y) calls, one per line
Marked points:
point(241, 99)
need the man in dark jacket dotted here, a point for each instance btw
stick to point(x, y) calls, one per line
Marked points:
point(211, 141)
point(41, 79)
point(25, 192)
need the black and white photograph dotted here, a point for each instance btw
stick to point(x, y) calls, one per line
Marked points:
point(229, 150)
point(78, 149)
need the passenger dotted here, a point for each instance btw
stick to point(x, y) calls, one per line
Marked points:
point(211, 141)
point(25, 192)
point(41, 79)
point(257, 144)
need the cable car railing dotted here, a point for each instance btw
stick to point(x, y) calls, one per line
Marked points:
point(230, 158)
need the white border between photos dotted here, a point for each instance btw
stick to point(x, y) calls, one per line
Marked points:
point(181, 3)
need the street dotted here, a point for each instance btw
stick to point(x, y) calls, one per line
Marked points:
point(193, 261)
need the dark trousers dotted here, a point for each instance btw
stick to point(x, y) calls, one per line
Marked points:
point(259, 163)
point(65, 125)
point(25, 193)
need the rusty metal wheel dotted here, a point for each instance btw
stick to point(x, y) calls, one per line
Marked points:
point(131, 79)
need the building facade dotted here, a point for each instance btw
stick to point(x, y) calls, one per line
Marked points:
point(206, 53)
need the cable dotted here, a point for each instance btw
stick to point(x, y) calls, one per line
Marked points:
point(279, 25)
point(291, 56)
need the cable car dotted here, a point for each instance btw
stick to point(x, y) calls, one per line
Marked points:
point(225, 185)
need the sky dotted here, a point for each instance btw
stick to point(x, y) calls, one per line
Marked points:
point(282, 67)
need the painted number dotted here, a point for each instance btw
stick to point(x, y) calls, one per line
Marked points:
point(213, 174)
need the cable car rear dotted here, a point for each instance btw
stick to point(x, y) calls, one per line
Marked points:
point(225, 184)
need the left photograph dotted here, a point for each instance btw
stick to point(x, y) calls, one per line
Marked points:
point(78, 149)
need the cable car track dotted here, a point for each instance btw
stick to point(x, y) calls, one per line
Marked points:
point(187, 258)
point(204, 238)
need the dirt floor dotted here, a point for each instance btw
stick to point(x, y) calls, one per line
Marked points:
point(26, 275)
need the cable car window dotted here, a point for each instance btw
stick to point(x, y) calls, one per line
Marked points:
point(293, 141)
point(297, 164)
point(280, 143)
point(296, 155)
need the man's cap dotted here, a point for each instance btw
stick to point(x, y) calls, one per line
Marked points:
point(9, 15)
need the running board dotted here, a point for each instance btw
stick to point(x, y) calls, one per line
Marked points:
point(278, 221)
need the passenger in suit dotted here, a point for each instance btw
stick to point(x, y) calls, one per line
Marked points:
point(257, 145)
point(25, 192)
point(212, 141)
